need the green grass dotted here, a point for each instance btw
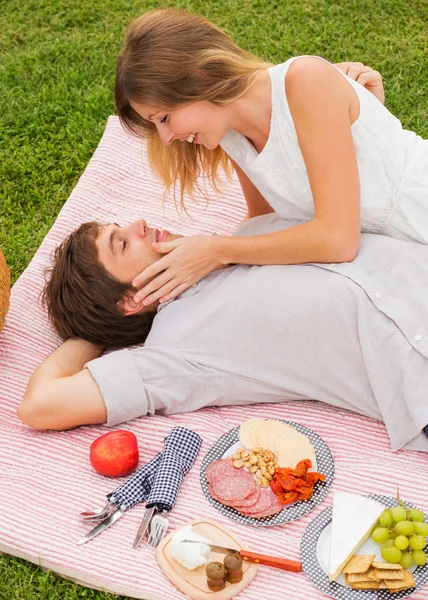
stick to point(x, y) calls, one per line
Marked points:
point(57, 62)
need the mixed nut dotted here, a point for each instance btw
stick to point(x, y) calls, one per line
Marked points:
point(260, 462)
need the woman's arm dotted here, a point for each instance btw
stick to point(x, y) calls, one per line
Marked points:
point(322, 105)
point(256, 203)
point(365, 76)
point(61, 394)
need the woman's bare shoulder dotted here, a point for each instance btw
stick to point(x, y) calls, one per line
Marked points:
point(309, 70)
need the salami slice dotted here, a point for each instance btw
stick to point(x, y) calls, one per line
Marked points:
point(268, 512)
point(233, 488)
point(249, 500)
point(219, 468)
point(264, 502)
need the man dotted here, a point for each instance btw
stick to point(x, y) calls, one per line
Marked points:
point(354, 335)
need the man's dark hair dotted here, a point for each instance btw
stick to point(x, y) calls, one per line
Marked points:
point(82, 298)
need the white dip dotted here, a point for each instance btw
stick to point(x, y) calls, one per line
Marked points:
point(190, 556)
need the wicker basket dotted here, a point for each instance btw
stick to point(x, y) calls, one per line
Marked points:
point(4, 289)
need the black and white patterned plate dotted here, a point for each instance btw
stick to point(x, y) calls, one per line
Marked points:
point(310, 558)
point(325, 465)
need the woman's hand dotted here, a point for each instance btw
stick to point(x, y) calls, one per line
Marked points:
point(187, 260)
point(366, 76)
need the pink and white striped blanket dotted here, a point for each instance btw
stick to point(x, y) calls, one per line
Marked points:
point(46, 478)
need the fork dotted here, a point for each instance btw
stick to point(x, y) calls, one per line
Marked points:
point(97, 514)
point(158, 528)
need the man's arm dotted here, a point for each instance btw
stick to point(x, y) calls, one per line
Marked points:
point(61, 394)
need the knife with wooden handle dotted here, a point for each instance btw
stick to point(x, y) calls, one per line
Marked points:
point(262, 559)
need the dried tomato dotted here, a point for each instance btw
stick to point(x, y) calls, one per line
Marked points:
point(291, 485)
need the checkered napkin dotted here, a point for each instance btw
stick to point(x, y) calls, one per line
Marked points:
point(159, 480)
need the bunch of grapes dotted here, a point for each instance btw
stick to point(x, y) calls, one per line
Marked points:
point(401, 532)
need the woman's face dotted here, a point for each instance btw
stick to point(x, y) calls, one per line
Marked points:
point(196, 123)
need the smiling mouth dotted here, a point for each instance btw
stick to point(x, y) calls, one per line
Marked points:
point(191, 138)
point(160, 236)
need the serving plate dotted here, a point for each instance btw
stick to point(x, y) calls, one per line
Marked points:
point(226, 446)
point(315, 556)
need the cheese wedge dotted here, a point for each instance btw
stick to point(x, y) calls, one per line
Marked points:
point(353, 520)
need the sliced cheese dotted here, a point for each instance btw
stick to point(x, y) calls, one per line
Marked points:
point(292, 447)
point(269, 431)
point(248, 433)
point(353, 520)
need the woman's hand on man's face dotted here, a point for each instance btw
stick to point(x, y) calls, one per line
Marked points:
point(187, 260)
point(366, 76)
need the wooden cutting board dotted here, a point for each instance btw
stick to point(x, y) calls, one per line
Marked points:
point(194, 583)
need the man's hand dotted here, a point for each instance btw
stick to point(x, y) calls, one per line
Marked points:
point(366, 76)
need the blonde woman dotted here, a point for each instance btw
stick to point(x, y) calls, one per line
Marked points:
point(306, 140)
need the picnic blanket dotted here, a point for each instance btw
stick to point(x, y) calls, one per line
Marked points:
point(46, 478)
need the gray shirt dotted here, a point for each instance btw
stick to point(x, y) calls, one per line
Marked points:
point(353, 335)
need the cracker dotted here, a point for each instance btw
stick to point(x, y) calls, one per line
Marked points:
point(359, 563)
point(385, 565)
point(365, 585)
point(371, 575)
point(390, 575)
point(408, 581)
point(359, 577)
point(382, 585)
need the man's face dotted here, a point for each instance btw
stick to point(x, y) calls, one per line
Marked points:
point(126, 251)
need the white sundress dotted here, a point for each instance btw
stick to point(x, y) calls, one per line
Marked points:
point(392, 162)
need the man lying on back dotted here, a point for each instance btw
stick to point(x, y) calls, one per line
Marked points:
point(353, 335)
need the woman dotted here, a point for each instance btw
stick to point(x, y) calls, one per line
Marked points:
point(306, 141)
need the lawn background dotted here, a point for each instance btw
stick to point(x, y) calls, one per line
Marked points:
point(57, 63)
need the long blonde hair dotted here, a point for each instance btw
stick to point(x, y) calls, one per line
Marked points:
point(171, 58)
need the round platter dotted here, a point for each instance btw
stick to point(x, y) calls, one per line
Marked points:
point(226, 445)
point(314, 555)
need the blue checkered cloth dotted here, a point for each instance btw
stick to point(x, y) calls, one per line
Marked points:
point(159, 480)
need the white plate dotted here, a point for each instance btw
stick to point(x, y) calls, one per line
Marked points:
point(225, 446)
point(315, 556)
point(323, 552)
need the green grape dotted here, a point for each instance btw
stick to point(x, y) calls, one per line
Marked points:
point(404, 528)
point(380, 535)
point(417, 542)
point(416, 515)
point(398, 513)
point(421, 528)
point(392, 555)
point(388, 544)
point(401, 542)
point(419, 557)
point(386, 519)
point(406, 560)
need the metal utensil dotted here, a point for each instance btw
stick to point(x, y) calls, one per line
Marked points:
point(110, 520)
point(145, 523)
point(98, 513)
point(158, 528)
point(263, 559)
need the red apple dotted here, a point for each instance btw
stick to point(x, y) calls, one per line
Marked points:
point(114, 454)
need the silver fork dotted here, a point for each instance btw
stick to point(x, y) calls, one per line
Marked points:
point(158, 528)
point(98, 514)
